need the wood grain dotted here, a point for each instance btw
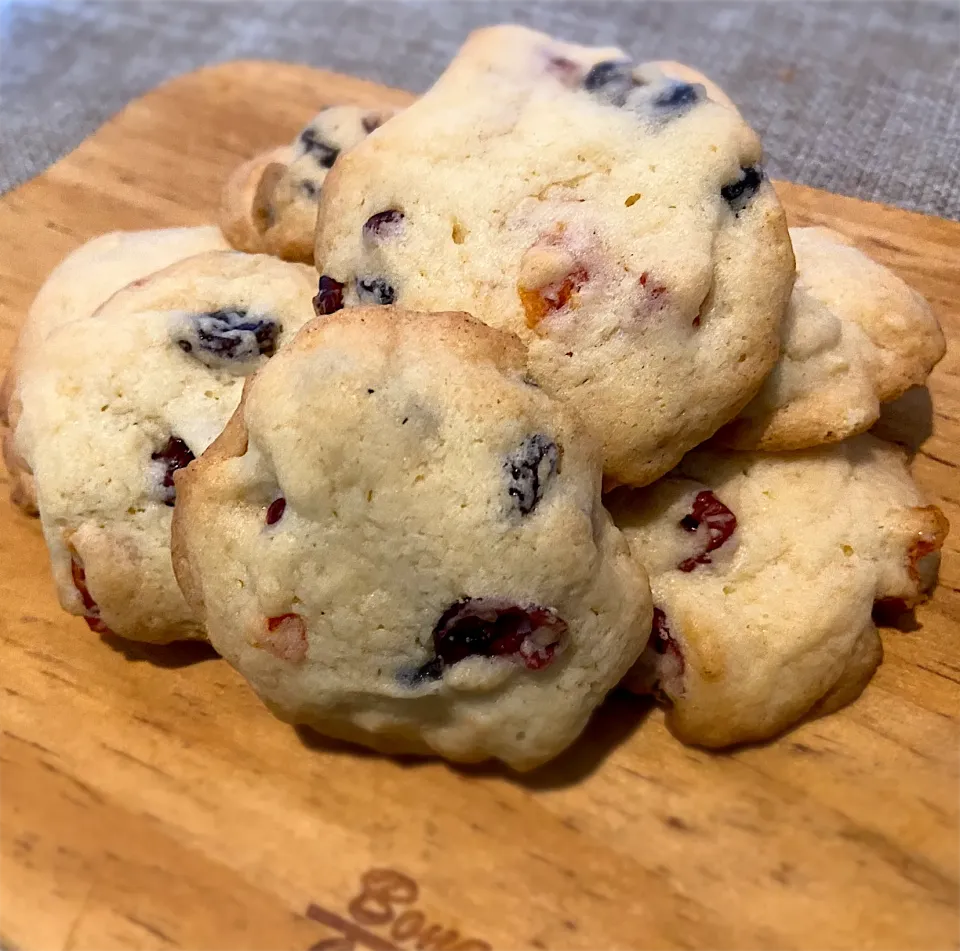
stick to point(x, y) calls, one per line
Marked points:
point(149, 801)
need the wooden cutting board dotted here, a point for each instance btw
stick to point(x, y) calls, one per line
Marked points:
point(150, 801)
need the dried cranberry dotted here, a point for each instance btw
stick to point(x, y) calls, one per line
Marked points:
point(678, 96)
point(738, 194)
point(660, 667)
point(174, 455)
point(384, 224)
point(721, 523)
point(230, 335)
point(529, 468)
point(286, 637)
point(323, 153)
point(611, 80)
point(493, 627)
point(92, 617)
point(329, 297)
point(653, 289)
point(275, 510)
point(375, 290)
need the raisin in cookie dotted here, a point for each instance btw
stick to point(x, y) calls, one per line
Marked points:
point(399, 540)
point(854, 336)
point(764, 570)
point(616, 219)
point(113, 405)
point(74, 289)
point(270, 203)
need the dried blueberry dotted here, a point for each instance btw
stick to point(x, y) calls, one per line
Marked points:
point(371, 122)
point(323, 153)
point(418, 676)
point(494, 627)
point(611, 80)
point(384, 224)
point(528, 469)
point(309, 189)
point(678, 96)
point(738, 194)
point(229, 336)
point(720, 522)
point(329, 297)
point(174, 455)
point(375, 290)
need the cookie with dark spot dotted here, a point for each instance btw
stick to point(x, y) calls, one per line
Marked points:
point(75, 289)
point(614, 216)
point(443, 583)
point(116, 407)
point(269, 204)
point(789, 553)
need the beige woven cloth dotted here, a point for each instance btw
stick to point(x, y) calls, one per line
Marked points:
point(859, 98)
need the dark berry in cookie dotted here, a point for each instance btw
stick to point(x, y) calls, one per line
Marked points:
point(384, 224)
point(229, 336)
point(174, 455)
point(611, 80)
point(375, 290)
point(678, 96)
point(494, 627)
point(309, 189)
point(275, 510)
point(329, 297)
point(418, 676)
point(738, 194)
point(528, 470)
point(720, 523)
point(323, 153)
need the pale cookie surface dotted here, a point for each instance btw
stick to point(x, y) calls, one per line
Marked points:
point(114, 404)
point(399, 540)
point(73, 290)
point(269, 204)
point(764, 570)
point(614, 218)
point(855, 336)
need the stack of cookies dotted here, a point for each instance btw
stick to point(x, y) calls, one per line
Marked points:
point(468, 414)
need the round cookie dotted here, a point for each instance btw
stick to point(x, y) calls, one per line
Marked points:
point(399, 540)
point(854, 336)
point(616, 219)
point(114, 404)
point(269, 203)
point(765, 569)
point(74, 289)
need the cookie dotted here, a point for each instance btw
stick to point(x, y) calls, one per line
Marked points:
point(616, 219)
point(855, 336)
point(269, 204)
point(765, 568)
point(399, 540)
point(114, 404)
point(74, 289)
